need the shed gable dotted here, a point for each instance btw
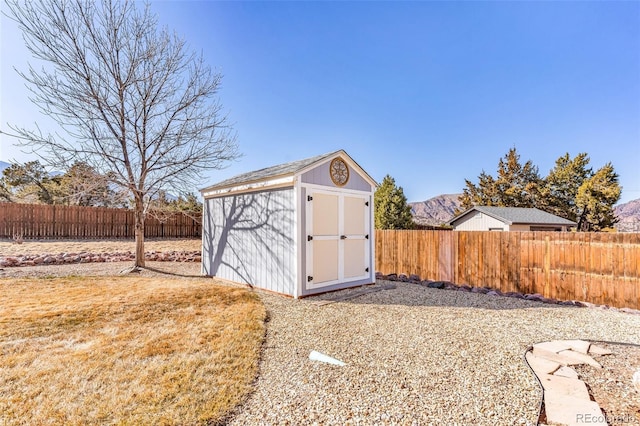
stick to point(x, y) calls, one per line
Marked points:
point(321, 175)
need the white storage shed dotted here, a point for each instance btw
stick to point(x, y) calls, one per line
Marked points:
point(299, 228)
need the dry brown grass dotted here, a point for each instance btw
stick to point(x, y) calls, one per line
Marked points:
point(9, 248)
point(125, 350)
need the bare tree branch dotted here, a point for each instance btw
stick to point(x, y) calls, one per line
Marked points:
point(135, 104)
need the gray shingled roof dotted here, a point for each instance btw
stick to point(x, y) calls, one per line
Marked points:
point(269, 172)
point(519, 215)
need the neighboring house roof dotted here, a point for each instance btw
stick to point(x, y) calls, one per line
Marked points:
point(517, 215)
point(283, 170)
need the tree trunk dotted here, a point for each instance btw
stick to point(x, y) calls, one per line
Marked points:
point(139, 227)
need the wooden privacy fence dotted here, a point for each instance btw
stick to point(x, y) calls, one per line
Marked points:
point(600, 268)
point(43, 221)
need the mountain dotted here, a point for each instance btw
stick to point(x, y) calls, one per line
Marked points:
point(629, 216)
point(435, 211)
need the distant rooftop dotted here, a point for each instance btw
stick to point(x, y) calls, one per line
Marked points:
point(518, 215)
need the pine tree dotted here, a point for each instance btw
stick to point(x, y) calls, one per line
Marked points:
point(561, 185)
point(484, 194)
point(595, 199)
point(516, 185)
point(391, 210)
point(29, 183)
point(571, 190)
point(82, 185)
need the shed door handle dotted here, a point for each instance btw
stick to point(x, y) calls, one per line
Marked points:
point(343, 237)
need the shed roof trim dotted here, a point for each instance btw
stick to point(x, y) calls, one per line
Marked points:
point(517, 215)
point(281, 170)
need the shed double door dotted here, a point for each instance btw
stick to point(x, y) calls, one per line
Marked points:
point(337, 238)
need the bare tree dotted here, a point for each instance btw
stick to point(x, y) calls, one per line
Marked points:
point(134, 102)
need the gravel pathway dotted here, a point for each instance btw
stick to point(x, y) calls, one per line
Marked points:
point(414, 355)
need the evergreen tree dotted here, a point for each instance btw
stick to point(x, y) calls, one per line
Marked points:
point(561, 185)
point(190, 203)
point(595, 199)
point(516, 185)
point(391, 210)
point(484, 194)
point(82, 185)
point(6, 194)
point(571, 190)
point(29, 183)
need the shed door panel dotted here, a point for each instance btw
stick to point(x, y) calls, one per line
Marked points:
point(325, 215)
point(355, 214)
point(325, 260)
point(354, 258)
point(337, 247)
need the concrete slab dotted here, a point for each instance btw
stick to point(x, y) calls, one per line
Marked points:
point(566, 372)
point(558, 385)
point(599, 350)
point(578, 358)
point(541, 365)
point(568, 410)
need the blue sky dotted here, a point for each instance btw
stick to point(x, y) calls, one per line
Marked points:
point(428, 92)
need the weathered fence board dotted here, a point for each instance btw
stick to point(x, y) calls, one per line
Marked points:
point(39, 221)
point(600, 268)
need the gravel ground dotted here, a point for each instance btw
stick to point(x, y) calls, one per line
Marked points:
point(414, 355)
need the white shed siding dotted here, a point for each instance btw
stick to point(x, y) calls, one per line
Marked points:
point(477, 221)
point(250, 238)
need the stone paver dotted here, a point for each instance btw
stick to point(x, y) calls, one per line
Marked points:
point(566, 397)
point(541, 365)
point(578, 358)
point(565, 357)
point(567, 410)
point(597, 350)
point(564, 385)
point(553, 346)
point(550, 355)
point(566, 372)
point(581, 346)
